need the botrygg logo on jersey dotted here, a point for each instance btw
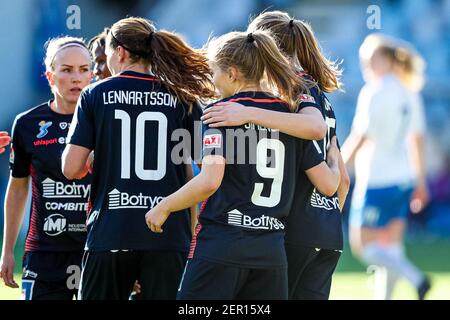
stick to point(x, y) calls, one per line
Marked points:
point(212, 141)
point(124, 200)
point(237, 218)
point(53, 189)
point(43, 129)
point(55, 224)
point(322, 202)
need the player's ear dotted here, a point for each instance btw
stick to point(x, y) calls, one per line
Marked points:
point(233, 73)
point(50, 77)
point(122, 54)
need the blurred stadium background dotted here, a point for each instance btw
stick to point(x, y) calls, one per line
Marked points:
point(339, 25)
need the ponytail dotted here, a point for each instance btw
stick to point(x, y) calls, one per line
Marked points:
point(182, 69)
point(296, 39)
point(257, 56)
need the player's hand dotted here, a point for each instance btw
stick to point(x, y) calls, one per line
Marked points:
point(4, 140)
point(333, 152)
point(225, 114)
point(419, 198)
point(7, 270)
point(90, 162)
point(136, 288)
point(156, 217)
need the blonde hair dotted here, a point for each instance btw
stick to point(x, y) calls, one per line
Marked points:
point(257, 58)
point(182, 69)
point(407, 63)
point(55, 45)
point(296, 38)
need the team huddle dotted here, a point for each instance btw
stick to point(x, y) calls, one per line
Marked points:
point(114, 192)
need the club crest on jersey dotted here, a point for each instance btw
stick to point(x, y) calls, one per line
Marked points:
point(212, 141)
point(63, 125)
point(43, 126)
point(307, 98)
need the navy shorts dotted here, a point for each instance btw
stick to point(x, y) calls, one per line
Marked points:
point(379, 206)
point(310, 271)
point(206, 280)
point(51, 275)
point(111, 275)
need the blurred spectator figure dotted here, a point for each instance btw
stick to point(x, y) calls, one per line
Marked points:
point(386, 136)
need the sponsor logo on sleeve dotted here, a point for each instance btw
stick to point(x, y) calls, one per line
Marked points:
point(307, 98)
point(212, 141)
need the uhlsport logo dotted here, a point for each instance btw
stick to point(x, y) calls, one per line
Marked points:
point(53, 189)
point(43, 129)
point(237, 218)
point(124, 200)
point(55, 224)
point(63, 125)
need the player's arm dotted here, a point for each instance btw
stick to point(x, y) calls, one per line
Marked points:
point(75, 162)
point(196, 190)
point(194, 208)
point(344, 184)
point(15, 202)
point(351, 146)
point(326, 176)
point(420, 196)
point(4, 140)
point(307, 124)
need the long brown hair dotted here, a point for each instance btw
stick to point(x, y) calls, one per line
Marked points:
point(182, 69)
point(257, 57)
point(296, 39)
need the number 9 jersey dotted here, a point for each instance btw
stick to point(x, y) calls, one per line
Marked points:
point(129, 120)
point(242, 223)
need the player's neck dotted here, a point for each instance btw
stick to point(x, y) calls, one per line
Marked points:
point(139, 68)
point(249, 87)
point(62, 107)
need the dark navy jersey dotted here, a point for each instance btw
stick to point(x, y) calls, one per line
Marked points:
point(59, 206)
point(129, 121)
point(315, 219)
point(242, 223)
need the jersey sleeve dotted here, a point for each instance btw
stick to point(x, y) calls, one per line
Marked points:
point(417, 125)
point(82, 129)
point(312, 155)
point(309, 100)
point(214, 141)
point(20, 159)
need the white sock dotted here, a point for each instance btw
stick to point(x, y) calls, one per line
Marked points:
point(408, 269)
point(394, 260)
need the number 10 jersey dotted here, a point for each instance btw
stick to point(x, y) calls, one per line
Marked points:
point(128, 120)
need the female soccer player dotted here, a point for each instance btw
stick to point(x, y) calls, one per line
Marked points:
point(97, 47)
point(128, 120)
point(238, 252)
point(57, 232)
point(4, 140)
point(314, 239)
point(389, 118)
